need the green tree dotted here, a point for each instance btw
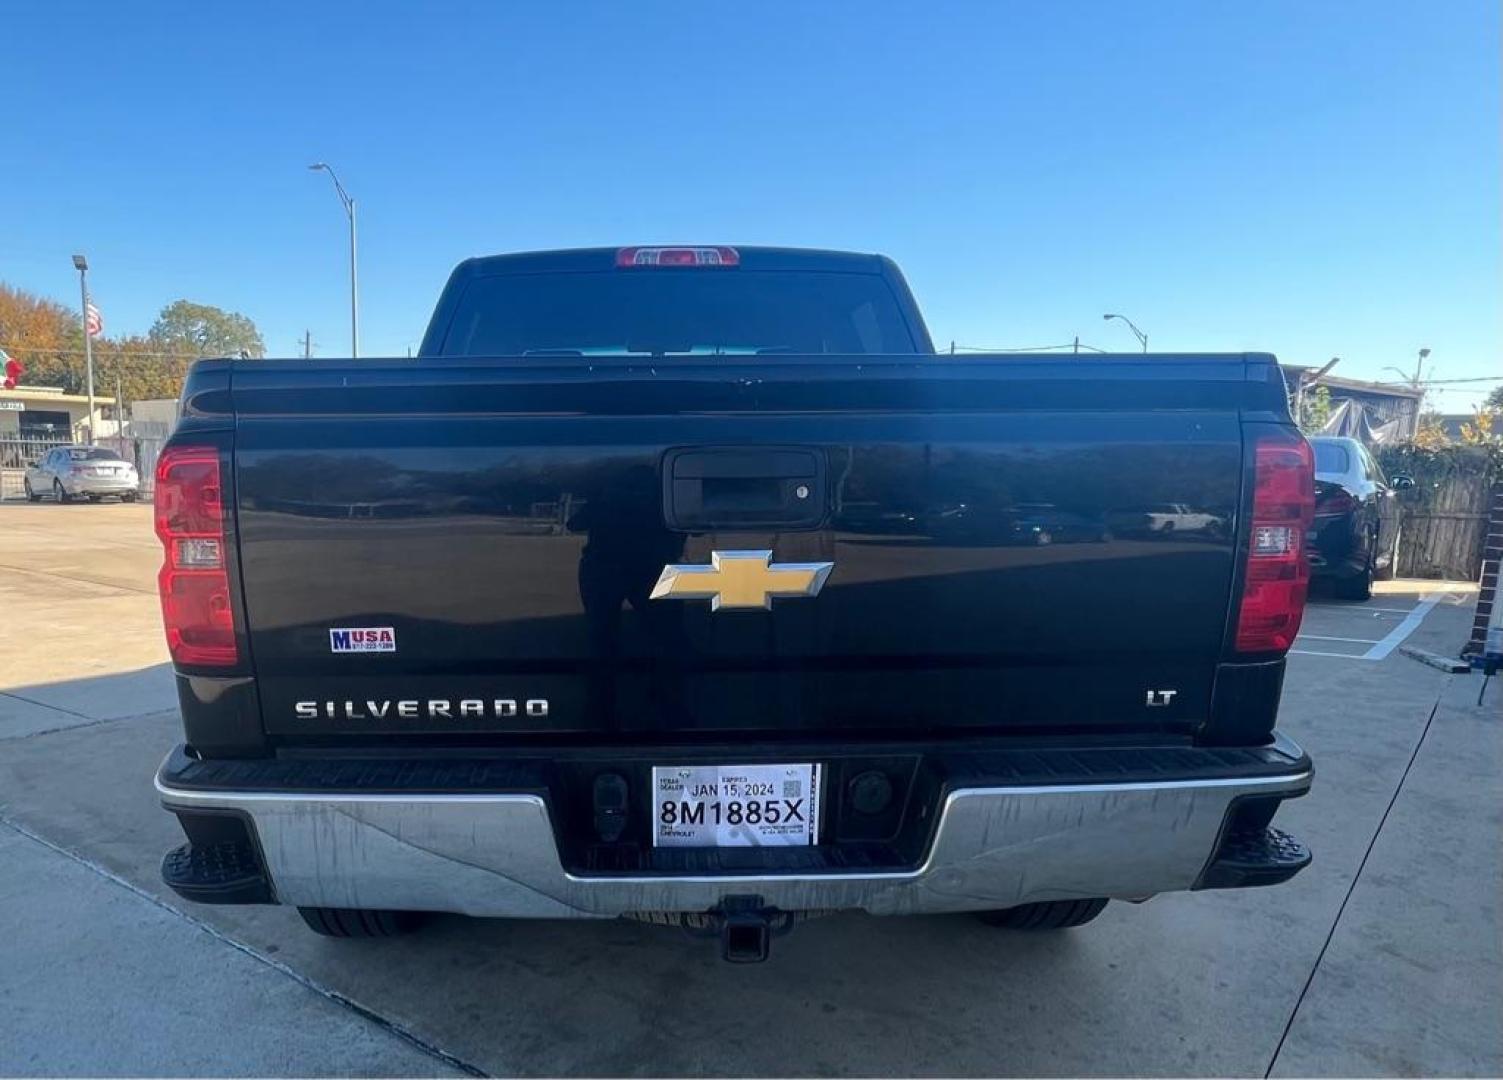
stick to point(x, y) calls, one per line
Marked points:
point(1495, 399)
point(47, 337)
point(1315, 410)
point(138, 368)
point(204, 330)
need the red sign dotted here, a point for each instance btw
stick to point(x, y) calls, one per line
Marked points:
point(14, 369)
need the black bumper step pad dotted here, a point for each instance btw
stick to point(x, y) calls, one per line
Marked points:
point(1252, 857)
point(530, 771)
point(225, 873)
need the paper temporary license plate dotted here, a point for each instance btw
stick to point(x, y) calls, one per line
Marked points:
point(735, 805)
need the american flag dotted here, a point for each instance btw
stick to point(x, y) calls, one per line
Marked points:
point(93, 321)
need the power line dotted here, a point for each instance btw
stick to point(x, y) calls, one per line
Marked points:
point(39, 351)
point(1443, 382)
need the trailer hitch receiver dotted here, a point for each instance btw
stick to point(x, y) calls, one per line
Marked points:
point(745, 927)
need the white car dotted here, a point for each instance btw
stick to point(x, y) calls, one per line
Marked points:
point(81, 472)
point(1172, 517)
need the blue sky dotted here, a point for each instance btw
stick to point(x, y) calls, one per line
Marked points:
point(1309, 179)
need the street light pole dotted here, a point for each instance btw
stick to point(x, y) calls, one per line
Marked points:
point(354, 284)
point(349, 209)
point(82, 265)
point(1414, 381)
point(1419, 366)
point(1142, 337)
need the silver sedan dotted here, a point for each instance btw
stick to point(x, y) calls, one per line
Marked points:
point(81, 472)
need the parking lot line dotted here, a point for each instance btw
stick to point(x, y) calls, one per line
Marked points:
point(1395, 637)
point(1382, 647)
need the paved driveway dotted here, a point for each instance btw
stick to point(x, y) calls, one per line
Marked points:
point(1383, 958)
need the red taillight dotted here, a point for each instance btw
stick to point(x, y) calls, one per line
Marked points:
point(1339, 501)
point(194, 582)
point(678, 256)
point(1277, 576)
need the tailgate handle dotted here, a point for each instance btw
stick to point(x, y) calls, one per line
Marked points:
point(743, 488)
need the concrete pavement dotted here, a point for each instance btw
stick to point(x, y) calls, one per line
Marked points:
point(99, 976)
point(87, 953)
point(82, 632)
point(1382, 958)
point(1410, 983)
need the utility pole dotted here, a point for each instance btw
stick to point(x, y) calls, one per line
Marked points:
point(307, 344)
point(1077, 343)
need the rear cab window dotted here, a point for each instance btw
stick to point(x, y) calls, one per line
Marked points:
point(690, 313)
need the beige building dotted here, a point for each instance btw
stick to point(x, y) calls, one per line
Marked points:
point(46, 413)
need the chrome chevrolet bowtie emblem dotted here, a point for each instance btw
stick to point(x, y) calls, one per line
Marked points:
point(740, 580)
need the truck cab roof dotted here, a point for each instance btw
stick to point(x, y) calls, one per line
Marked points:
point(678, 299)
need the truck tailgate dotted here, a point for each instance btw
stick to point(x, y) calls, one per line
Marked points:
point(467, 548)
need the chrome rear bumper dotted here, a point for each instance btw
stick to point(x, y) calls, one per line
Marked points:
point(101, 485)
point(496, 855)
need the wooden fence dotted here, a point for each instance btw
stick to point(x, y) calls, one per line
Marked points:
point(1443, 521)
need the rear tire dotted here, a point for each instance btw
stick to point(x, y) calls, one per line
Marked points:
point(1046, 915)
point(129, 496)
point(1359, 588)
point(358, 922)
point(31, 496)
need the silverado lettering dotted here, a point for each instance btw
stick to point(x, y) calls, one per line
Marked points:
point(447, 708)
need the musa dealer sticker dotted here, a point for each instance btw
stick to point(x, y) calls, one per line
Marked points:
point(362, 639)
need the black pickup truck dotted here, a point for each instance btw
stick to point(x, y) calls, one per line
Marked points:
point(690, 584)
